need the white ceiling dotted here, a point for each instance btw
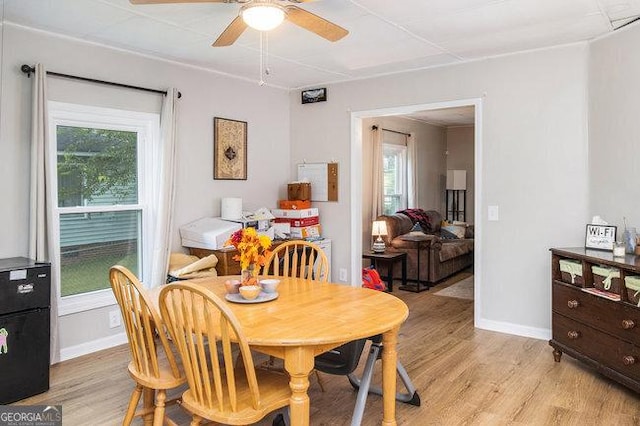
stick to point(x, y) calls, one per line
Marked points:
point(446, 117)
point(385, 36)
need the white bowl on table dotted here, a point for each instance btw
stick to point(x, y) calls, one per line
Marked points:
point(249, 292)
point(269, 285)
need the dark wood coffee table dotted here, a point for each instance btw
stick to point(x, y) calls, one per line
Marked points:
point(388, 259)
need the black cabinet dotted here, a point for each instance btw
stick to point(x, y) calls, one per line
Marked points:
point(25, 294)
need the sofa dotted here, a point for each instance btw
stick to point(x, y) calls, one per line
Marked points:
point(442, 253)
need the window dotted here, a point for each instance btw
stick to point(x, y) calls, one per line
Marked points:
point(99, 189)
point(394, 165)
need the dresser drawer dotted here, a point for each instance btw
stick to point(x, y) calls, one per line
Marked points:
point(615, 318)
point(601, 347)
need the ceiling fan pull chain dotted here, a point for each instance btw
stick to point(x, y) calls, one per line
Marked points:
point(261, 59)
point(267, 71)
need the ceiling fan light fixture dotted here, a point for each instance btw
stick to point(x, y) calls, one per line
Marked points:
point(262, 16)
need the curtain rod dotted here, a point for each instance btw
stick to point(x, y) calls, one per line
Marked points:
point(374, 127)
point(28, 70)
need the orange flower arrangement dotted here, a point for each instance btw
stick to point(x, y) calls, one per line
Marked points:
point(253, 251)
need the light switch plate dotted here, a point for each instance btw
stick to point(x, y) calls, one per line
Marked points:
point(493, 213)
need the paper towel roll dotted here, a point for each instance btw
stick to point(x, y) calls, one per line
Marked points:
point(231, 208)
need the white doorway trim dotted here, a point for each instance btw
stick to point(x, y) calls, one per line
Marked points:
point(356, 186)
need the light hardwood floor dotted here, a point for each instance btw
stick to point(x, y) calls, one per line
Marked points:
point(464, 377)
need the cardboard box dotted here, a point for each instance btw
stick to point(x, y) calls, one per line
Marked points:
point(282, 230)
point(299, 191)
point(294, 204)
point(295, 214)
point(305, 231)
point(306, 221)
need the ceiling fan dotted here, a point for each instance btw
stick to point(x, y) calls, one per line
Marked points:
point(265, 15)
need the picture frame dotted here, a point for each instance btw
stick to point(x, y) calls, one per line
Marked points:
point(600, 237)
point(229, 149)
point(311, 96)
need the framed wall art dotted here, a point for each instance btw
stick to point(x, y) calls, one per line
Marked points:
point(229, 149)
point(314, 95)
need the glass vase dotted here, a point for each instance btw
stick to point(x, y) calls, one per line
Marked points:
point(249, 275)
point(629, 237)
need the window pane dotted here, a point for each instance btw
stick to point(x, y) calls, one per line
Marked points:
point(392, 204)
point(390, 173)
point(96, 166)
point(90, 243)
point(394, 178)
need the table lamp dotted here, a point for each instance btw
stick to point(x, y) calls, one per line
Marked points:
point(379, 228)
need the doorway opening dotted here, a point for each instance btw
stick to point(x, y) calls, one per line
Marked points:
point(435, 198)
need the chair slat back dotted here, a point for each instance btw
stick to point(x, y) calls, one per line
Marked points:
point(300, 259)
point(140, 322)
point(203, 328)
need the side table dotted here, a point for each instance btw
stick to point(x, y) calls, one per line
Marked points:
point(389, 258)
point(417, 287)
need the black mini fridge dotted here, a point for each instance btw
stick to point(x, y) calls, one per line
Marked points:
point(25, 294)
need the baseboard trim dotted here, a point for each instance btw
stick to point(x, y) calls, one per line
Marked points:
point(92, 346)
point(518, 330)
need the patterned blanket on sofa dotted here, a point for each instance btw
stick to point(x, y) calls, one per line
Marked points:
point(428, 222)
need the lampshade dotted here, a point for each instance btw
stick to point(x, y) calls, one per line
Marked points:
point(262, 16)
point(379, 227)
point(456, 179)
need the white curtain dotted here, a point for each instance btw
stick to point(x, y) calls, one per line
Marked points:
point(164, 159)
point(40, 221)
point(412, 176)
point(377, 169)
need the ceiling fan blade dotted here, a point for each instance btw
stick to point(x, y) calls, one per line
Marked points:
point(231, 33)
point(315, 24)
point(178, 1)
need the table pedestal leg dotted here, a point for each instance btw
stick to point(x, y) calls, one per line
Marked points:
point(389, 361)
point(298, 361)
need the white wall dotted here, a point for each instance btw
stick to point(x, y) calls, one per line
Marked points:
point(614, 140)
point(204, 95)
point(460, 156)
point(534, 163)
point(534, 119)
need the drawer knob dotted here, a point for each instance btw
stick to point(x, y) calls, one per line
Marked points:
point(572, 304)
point(629, 360)
point(628, 324)
point(573, 334)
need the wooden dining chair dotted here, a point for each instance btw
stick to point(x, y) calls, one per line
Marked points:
point(300, 259)
point(203, 328)
point(153, 365)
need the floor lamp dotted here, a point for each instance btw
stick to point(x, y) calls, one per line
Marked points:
point(456, 195)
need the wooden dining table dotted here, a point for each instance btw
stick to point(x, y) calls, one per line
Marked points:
point(311, 317)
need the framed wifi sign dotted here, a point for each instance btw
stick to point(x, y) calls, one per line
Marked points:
point(600, 237)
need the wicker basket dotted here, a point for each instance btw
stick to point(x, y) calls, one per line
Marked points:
point(632, 283)
point(606, 278)
point(571, 271)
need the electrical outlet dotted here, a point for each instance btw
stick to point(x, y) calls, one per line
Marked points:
point(343, 275)
point(114, 319)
